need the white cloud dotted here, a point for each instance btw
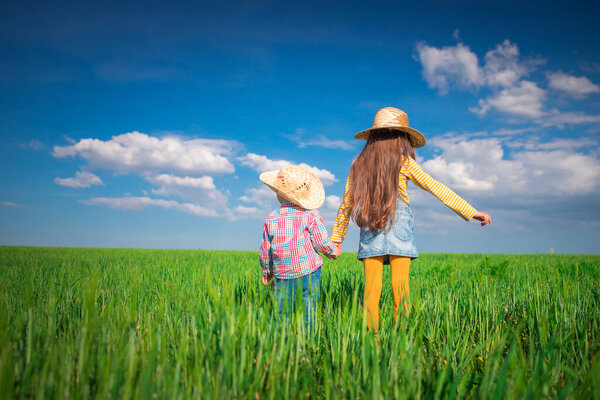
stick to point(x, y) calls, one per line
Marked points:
point(205, 182)
point(535, 172)
point(261, 164)
point(503, 67)
point(333, 202)
point(259, 195)
point(200, 190)
point(525, 100)
point(131, 203)
point(144, 154)
point(449, 66)
point(577, 87)
point(561, 119)
point(10, 204)
point(80, 181)
point(250, 212)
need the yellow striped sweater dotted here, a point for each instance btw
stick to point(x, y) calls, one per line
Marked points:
point(410, 170)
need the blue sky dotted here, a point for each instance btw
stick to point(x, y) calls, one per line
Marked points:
point(147, 124)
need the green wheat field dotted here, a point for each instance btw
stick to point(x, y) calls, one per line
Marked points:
point(171, 324)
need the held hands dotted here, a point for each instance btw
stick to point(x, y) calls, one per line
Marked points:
point(483, 217)
point(336, 252)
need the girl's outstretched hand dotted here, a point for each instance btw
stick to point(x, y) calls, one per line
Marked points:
point(483, 217)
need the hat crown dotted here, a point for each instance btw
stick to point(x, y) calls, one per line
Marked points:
point(294, 180)
point(390, 116)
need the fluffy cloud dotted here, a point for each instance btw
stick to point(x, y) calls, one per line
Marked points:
point(137, 203)
point(561, 119)
point(144, 154)
point(577, 87)
point(503, 72)
point(449, 66)
point(250, 212)
point(259, 195)
point(81, 180)
point(200, 190)
point(503, 66)
point(525, 100)
point(538, 172)
point(262, 164)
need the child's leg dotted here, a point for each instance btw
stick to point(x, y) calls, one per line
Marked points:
point(310, 296)
point(400, 267)
point(284, 294)
point(373, 277)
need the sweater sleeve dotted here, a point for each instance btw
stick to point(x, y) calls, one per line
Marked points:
point(340, 226)
point(423, 180)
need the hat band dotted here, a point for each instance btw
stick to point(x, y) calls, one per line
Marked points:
point(389, 125)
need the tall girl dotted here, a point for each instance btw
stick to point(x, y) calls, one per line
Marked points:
point(376, 199)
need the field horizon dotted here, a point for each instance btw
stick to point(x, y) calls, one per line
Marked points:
point(256, 251)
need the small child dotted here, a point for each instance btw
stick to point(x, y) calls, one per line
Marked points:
point(292, 236)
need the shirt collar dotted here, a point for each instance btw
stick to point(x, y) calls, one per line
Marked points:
point(289, 204)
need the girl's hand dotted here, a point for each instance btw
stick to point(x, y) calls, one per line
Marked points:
point(483, 217)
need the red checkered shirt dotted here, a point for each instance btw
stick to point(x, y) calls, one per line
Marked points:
point(291, 238)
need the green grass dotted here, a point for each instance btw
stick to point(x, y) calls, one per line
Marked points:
point(81, 323)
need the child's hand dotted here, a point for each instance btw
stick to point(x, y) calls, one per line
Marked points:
point(483, 217)
point(267, 280)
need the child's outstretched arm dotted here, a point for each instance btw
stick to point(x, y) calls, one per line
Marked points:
point(266, 261)
point(319, 238)
point(453, 201)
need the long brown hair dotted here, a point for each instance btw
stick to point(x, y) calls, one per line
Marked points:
point(374, 174)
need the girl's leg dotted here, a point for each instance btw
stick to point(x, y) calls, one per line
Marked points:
point(400, 267)
point(373, 276)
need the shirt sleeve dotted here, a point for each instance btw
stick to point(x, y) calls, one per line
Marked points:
point(439, 190)
point(318, 235)
point(266, 261)
point(340, 226)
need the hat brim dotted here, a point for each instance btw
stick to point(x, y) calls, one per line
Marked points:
point(316, 200)
point(417, 138)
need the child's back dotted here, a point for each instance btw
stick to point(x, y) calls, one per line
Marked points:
point(292, 237)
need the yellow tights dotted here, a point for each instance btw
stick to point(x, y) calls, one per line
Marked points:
point(399, 267)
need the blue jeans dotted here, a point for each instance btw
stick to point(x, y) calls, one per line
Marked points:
point(286, 291)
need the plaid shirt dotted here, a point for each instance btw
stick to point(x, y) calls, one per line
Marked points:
point(290, 237)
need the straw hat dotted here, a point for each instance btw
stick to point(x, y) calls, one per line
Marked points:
point(390, 118)
point(297, 185)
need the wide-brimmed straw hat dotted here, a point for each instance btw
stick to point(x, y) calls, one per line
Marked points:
point(297, 185)
point(392, 119)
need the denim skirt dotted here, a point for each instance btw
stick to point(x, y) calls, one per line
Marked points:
point(397, 240)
